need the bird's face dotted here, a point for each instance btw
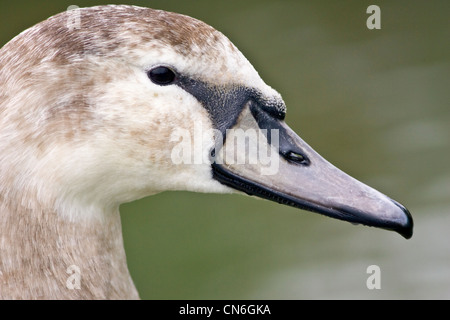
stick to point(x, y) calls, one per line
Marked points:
point(169, 103)
point(157, 103)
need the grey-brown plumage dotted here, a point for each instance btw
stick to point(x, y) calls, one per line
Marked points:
point(80, 133)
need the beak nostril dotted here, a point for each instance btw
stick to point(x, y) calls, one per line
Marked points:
point(297, 158)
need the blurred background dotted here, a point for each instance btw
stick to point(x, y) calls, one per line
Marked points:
point(375, 103)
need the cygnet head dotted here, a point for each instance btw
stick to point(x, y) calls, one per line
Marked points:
point(104, 105)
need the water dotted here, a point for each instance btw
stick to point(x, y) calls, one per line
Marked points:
point(373, 102)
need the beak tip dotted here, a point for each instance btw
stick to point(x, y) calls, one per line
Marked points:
point(406, 227)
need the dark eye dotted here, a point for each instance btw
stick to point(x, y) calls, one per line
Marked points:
point(162, 76)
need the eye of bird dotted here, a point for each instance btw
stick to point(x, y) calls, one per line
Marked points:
point(161, 75)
